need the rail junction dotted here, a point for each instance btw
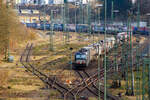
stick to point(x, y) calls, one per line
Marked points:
point(89, 76)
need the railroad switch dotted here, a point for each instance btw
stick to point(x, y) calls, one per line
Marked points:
point(115, 84)
point(119, 94)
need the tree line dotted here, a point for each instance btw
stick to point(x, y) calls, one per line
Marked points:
point(12, 32)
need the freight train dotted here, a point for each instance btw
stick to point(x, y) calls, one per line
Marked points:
point(84, 56)
point(84, 28)
point(141, 30)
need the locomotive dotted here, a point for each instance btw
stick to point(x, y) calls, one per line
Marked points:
point(141, 30)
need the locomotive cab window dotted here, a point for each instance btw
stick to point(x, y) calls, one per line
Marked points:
point(80, 57)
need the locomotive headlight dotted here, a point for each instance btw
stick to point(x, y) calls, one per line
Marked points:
point(83, 62)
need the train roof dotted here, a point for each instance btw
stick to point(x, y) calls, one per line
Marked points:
point(110, 39)
point(79, 53)
point(89, 46)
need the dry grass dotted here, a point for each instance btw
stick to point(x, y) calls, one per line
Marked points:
point(4, 76)
point(91, 98)
point(22, 85)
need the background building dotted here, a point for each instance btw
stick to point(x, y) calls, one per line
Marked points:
point(31, 16)
point(47, 2)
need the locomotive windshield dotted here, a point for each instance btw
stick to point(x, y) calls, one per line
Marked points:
point(80, 56)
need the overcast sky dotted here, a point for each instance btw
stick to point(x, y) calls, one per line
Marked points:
point(133, 1)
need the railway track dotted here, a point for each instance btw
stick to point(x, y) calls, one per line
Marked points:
point(51, 81)
point(88, 81)
point(84, 75)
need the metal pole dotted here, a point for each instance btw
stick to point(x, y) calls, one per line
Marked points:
point(149, 67)
point(75, 17)
point(83, 12)
point(44, 17)
point(89, 18)
point(64, 21)
point(62, 16)
point(52, 31)
point(98, 20)
point(138, 17)
point(115, 84)
point(122, 59)
point(81, 6)
point(71, 57)
point(105, 73)
point(80, 18)
point(116, 45)
point(99, 16)
point(112, 11)
point(116, 65)
point(137, 74)
point(149, 79)
point(87, 8)
point(126, 59)
point(99, 85)
point(67, 22)
point(7, 58)
point(131, 65)
point(143, 82)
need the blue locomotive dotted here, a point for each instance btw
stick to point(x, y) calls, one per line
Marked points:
point(84, 56)
point(43, 26)
point(31, 25)
point(141, 30)
point(82, 28)
point(58, 27)
point(98, 29)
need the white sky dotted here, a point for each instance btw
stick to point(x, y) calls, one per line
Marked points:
point(133, 1)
